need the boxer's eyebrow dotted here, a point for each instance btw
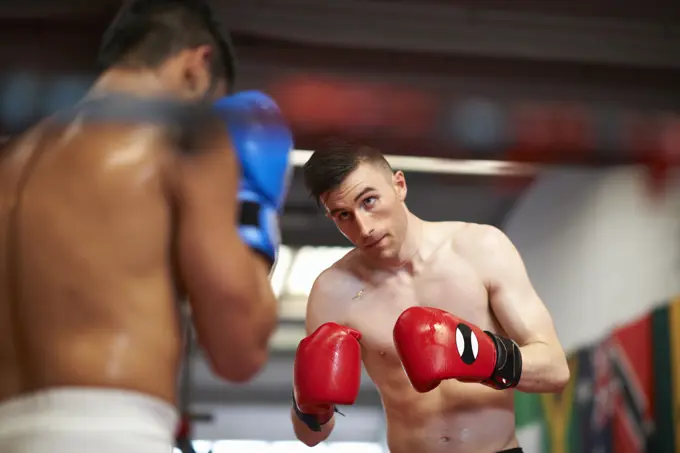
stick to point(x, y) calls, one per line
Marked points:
point(363, 192)
point(332, 212)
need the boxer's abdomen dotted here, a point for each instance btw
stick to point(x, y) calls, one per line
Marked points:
point(89, 298)
point(461, 431)
point(455, 417)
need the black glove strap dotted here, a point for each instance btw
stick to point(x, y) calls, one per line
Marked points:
point(311, 420)
point(508, 363)
point(250, 214)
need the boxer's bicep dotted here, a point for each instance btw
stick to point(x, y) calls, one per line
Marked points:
point(513, 299)
point(206, 210)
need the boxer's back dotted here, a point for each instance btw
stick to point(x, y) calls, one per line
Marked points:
point(87, 293)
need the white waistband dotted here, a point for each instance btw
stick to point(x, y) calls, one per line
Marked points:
point(89, 410)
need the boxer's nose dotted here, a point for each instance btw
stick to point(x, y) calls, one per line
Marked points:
point(364, 226)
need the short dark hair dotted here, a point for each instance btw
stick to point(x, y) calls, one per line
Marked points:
point(329, 166)
point(145, 33)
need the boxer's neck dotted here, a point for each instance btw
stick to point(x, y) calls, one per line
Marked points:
point(140, 83)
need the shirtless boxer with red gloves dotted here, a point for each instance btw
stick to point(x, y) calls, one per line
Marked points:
point(444, 313)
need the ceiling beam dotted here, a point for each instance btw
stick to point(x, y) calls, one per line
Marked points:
point(57, 10)
point(458, 30)
point(658, 10)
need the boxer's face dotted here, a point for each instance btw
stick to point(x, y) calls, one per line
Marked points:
point(368, 209)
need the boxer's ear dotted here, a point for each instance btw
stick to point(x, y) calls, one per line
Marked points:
point(399, 182)
point(198, 75)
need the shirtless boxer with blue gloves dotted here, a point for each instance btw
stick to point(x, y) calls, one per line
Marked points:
point(113, 210)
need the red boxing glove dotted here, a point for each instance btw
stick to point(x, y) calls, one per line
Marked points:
point(327, 372)
point(435, 345)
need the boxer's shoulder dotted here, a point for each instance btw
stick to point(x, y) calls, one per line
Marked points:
point(120, 107)
point(472, 242)
point(327, 301)
point(475, 237)
point(14, 144)
point(460, 238)
point(184, 122)
point(439, 233)
point(339, 274)
point(482, 245)
point(335, 286)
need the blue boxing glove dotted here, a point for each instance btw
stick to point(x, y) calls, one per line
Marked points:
point(263, 143)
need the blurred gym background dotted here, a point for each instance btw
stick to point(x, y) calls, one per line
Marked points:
point(556, 121)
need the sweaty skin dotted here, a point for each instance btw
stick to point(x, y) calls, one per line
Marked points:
point(87, 295)
point(107, 219)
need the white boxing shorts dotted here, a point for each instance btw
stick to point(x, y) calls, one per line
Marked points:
point(75, 420)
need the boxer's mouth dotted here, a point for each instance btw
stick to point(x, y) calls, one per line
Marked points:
point(374, 243)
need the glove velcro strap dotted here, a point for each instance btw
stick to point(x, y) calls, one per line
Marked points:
point(250, 214)
point(508, 368)
point(259, 229)
point(314, 421)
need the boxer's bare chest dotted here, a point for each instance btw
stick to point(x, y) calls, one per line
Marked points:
point(446, 281)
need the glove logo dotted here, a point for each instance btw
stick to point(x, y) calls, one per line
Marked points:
point(467, 344)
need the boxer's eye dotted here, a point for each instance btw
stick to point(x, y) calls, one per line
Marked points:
point(370, 201)
point(342, 216)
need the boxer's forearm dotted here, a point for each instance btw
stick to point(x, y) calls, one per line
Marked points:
point(265, 315)
point(306, 435)
point(246, 322)
point(544, 369)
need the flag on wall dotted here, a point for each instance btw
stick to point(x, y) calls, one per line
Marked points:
point(559, 413)
point(576, 421)
point(580, 419)
point(630, 350)
point(623, 395)
point(595, 390)
point(665, 322)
